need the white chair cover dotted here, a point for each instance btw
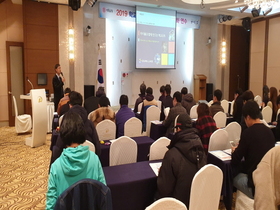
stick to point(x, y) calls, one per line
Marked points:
point(106, 130)
point(243, 202)
point(140, 107)
point(231, 108)
point(159, 104)
point(206, 184)
point(267, 114)
point(23, 123)
point(193, 112)
point(166, 111)
point(167, 204)
point(90, 145)
point(258, 99)
point(210, 103)
point(220, 119)
point(175, 123)
point(133, 127)
point(234, 132)
point(159, 148)
point(219, 140)
point(225, 105)
point(152, 113)
point(123, 151)
point(90, 114)
point(278, 112)
point(60, 120)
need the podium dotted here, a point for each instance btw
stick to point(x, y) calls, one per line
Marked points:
point(39, 117)
point(200, 87)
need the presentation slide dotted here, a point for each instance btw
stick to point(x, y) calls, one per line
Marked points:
point(155, 38)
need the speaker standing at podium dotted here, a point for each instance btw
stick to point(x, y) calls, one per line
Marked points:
point(57, 82)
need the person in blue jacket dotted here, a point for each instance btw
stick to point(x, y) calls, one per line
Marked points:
point(76, 162)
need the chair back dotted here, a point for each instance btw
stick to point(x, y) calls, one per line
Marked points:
point(152, 113)
point(122, 151)
point(90, 145)
point(140, 107)
point(225, 105)
point(234, 132)
point(210, 103)
point(159, 148)
point(106, 130)
point(159, 104)
point(166, 111)
point(167, 204)
point(231, 108)
point(133, 127)
point(258, 99)
point(267, 113)
point(90, 114)
point(278, 112)
point(15, 106)
point(193, 112)
point(60, 120)
point(206, 184)
point(175, 123)
point(219, 140)
point(85, 194)
point(220, 119)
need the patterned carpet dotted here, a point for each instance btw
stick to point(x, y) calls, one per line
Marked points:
point(23, 171)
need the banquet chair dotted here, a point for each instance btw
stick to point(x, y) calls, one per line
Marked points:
point(206, 184)
point(219, 140)
point(85, 194)
point(267, 114)
point(193, 112)
point(139, 109)
point(60, 120)
point(231, 108)
point(258, 99)
point(166, 111)
point(133, 127)
point(234, 132)
point(210, 103)
point(243, 202)
point(152, 113)
point(159, 104)
point(225, 105)
point(220, 119)
point(175, 123)
point(159, 148)
point(267, 193)
point(90, 114)
point(90, 145)
point(106, 130)
point(278, 112)
point(122, 151)
point(23, 123)
point(167, 204)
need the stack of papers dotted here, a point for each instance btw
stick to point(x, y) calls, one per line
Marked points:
point(156, 122)
point(222, 154)
point(155, 167)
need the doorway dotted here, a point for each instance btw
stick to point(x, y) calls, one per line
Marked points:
point(15, 80)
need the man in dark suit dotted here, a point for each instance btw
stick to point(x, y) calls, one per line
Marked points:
point(57, 82)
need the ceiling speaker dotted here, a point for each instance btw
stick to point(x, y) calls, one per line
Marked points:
point(74, 4)
point(246, 23)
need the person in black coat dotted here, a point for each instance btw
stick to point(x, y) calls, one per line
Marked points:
point(57, 82)
point(181, 162)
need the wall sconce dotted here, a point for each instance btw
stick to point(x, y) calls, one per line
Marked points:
point(223, 53)
point(71, 43)
point(209, 41)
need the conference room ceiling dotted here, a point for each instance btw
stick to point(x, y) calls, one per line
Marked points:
point(224, 7)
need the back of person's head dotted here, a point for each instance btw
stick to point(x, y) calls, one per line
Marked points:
point(142, 89)
point(75, 98)
point(251, 108)
point(272, 94)
point(72, 129)
point(239, 91)
point(168, 89)
point(218, 94)
point(184, 91)
point(162, 89)
point(248, 95)
point(265, 90)
point(67, 90)
point(104, 101)
point(178, 96)
point(100, 92)
point(149, 90)
point(183, 121)
point(202, 110)
point(123, 100)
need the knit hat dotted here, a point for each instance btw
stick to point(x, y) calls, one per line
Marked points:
point(183, 121)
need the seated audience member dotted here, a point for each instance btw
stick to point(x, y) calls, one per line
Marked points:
point(91, 103)
point(168, 101)
point(161, 98)
point(174, 111)
point(273, 102)
point(124, 114)
point(255, 141)
point(64, 100)
point(246, 96)
point(103, 112)
point(265, 97)
point(148, 101)
point(181, 162)
point(216, 106)
point(75, 103)
point(187, 99)
point(76, 162)
point(205, 125)
point(140, 98)
point(237, 107)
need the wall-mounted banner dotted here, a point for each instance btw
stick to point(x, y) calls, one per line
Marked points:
point(127, 13)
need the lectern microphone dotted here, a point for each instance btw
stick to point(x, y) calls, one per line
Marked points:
point(30, 83)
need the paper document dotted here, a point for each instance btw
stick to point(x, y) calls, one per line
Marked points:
point(228, 151)
point(155, 167)
point(221, 155)
point(156, 122)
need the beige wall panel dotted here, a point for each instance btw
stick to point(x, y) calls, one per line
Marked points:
point(256, 73)
point(3, 82)
point(257, 37)
point(3, 38)
point(273, 77)
point(3, 62)
point(273, 44)
point(4, 108)
point(15, 19)
point(15, 34)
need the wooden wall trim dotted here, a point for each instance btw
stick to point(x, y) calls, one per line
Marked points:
point(265, 52)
